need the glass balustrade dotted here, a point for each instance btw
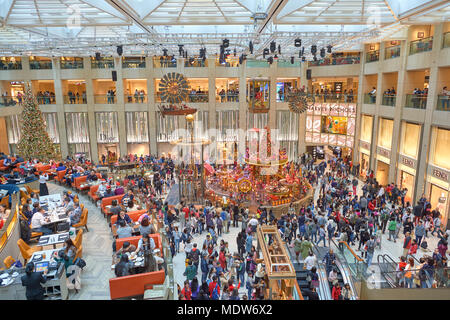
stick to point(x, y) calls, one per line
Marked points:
point(416, 101)
point(335, 61)
point(443, 103)
point(392, 52)
point(373, 56)
point(389, 100)
point(369, 98)
point(422, 45)
point(40, 65)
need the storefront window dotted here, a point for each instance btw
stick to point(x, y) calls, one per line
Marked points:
point(439, 201)
point(366, 128)
point(227, 123)
point(137, 127)
point(441, 149)
point(407, 181)
point(385, 133)
point(410, 139)
point(382, 173)
point(364, 165)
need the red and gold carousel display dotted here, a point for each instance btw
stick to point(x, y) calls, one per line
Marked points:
point(266, 179)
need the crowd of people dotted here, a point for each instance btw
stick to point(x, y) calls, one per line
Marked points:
point(46, 97)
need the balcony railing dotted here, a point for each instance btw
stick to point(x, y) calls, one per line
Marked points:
point(336, 97)
point(335, 61)
point(71, 64)
point(135, 98)
point(443, 103)
point(228, 97)
point(446, 40)
point(45, 99)
point(369, 98)
point(227, 64)
point(195, 63)
point(74, 99)
point(40, 65)
point(392, 52)
point(9, 101)
point(10, 65)
point(373, 56)
point(133, 64)
point(198, 97)
point(104, 99)
point(416, 101)
point(421, 45)
point(164, 63)
point(288, 64)
point(102, 64)
point(257, 64)
point(389, 100)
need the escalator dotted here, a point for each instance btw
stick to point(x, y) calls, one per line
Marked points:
point(388, 270)
point(323, 289)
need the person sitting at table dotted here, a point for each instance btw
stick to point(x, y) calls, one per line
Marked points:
point(123, 267)
point(32, 281)
point(3, 180)
point(124, 230)
point(159, 260)
point(109, 192)
point(119, 189)
point(132, 206)
point(128, 197)
point(37, 222)
point(126, 248)
point(146, 227)
point(69, 248)
point(144, 242)
point(4, 212)
point(43, 178)
point(68, 205)
point(61, 167)
point(101, 190)
point(34, 197)
point(115, 208)
point(75, 214)
point(27, 212)
point(122, 216)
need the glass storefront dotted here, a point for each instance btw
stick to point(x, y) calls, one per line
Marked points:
point(382, 173)
point(410, 139)
point(364, 164)
point(407, 181)
point(385, 133)
point(441, 155)
point(439, 201)
point(366, 128)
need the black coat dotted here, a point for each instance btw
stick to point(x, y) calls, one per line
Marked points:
point(33, 284)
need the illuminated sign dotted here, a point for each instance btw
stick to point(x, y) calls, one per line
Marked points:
point(440, 174)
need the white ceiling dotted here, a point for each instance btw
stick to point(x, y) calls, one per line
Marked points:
point(82, 27)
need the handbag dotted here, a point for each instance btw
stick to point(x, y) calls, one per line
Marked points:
point(80, 263)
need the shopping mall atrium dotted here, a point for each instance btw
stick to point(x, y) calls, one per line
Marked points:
point(224, 149)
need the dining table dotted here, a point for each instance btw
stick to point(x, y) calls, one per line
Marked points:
point(53, 239)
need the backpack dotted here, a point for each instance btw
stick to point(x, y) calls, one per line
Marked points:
point(215, 294)
point(424, 245)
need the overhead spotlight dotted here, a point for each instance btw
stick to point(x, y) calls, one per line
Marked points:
point(292, 60)
point(322, 53)
point(165, 52)
point(298, 43)
point(119, 50)
point(97, 56)
point(273, 46)
point(270, 60)
point(226, 43)
point(279, 49)
point(329, 48)
point(265, 52)
point(250, 46)
point(313, 49)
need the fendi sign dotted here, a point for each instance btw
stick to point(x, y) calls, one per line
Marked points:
point(384, 152)
point(440, 174)
point(408, 162)
point(364, 144)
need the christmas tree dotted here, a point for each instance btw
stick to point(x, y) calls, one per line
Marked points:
point(34, 141)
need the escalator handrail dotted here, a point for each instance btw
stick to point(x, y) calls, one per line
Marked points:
point(358, 258)
point(299, 291)
point(325, 290)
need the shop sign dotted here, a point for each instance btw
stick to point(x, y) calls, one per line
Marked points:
point(384, 152)
point(408, 162)
point(440, 174)
point(442, 199)
point(364, 144)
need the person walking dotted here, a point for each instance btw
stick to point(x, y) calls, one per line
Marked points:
point(419, 231)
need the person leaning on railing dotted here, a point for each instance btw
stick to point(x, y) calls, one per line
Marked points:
point(445, 98)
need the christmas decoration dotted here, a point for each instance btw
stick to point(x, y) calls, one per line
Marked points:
point(34, 141)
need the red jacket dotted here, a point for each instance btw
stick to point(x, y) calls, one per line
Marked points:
point(335, 293)
point(187, 294)
point(211, 287)
point(222, 260)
